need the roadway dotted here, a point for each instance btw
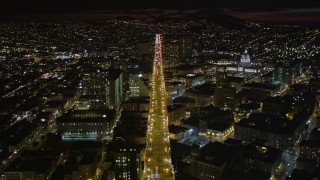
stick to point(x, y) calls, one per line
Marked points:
point(157, 158)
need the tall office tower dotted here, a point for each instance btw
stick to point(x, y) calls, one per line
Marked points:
point(94, 82)
point(171, 54)
point(287, 73)
point(225, 91)
point(219, 97)
point(177, 51)
point(114, 90)
point(186, 49)
point(127, 157)
point(157, 164)
point(137, 87)
point(103, 84)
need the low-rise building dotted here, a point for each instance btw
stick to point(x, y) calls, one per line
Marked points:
point(255, 162)
point(176, 113)
point(212, 161)
point(191, 80)
point(33, 165)
point(203, 95)
point(187, 102)
point(310, 152)
point(272, 130)
point(86, 124)
point(175, 89)
point(178, 132)
point(219, 131)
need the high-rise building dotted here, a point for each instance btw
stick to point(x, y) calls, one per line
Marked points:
point(127, 159)
point(224, 95)
point(287, 73)
point(94, 82)
point(114, 89)
point(171, 55)
point(126, 150)
point(226, 89)
point(136, 106)
point(137, 87)
point(219, 90)
point(186, 49)
point(177, 51)
point(106, 84)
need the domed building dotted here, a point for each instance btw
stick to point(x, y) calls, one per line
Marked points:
point(245, 58)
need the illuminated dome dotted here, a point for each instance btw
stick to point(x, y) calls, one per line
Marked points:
point(245, 58)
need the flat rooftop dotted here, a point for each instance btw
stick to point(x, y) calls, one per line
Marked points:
point(268, 87)
point(272, 123)
point(219, 126)
point(216, 153)
point(177, 129)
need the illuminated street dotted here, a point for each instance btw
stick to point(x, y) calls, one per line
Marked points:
point(160, 90)
point(157, 158)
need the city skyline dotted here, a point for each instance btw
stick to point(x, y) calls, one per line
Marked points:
point(229, 91)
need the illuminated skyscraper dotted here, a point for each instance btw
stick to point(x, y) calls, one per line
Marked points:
point(137, 87)
point(219, 99)
point(103, 84)
point(158, 156)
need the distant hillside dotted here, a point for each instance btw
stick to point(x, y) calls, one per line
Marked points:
point(45, 6)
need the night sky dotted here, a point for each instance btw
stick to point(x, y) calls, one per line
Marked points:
point(255, 10)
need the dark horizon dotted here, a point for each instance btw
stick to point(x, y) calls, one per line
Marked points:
point(270, 11)
point(61, 6)
point(277, 17)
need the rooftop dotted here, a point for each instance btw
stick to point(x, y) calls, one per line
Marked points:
point(254, 94)
point(186, 67)
point(234, 79)
point(263, 154)
point(191, 122)
point(85, 120)
point(41, 161)
point(263, 86)
point(183, 99)
point(204, 89)
point(219, 126)
point(66, 168)
point(55, 104)
point(177, 129)
point(214, 153)
point(85, 97)
point(272, 123)
point(114, 74)
point(140, 99)
point(287, 99)
point(250, 106)
point(172, 108)
point(104, 113)
point(89, 157)
point(119, 144)
point(173, 83)
point(124, 130)
point(39, 165)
